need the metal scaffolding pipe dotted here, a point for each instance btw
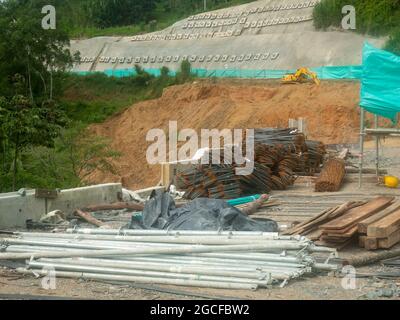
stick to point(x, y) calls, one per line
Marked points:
point(230, 263)
point(146, 251)
point(257, 258)
point(145, 280)
point(153, 266)
point(156, 274)
point(210, 240)
point(169, 232)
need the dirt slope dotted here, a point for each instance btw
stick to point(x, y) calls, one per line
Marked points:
point(331, 111)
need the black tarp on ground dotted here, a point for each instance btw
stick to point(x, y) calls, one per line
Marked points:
point(160, 212)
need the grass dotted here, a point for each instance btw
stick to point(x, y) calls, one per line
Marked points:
point(94, 98)
point(162, 17)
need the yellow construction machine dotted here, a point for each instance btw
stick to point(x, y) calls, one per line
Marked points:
point(302, 75)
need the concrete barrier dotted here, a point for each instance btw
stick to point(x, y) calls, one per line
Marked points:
point(17, 207)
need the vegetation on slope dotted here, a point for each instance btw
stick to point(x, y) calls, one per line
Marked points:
point(44, 111)
point(126, 17)
point(377, 18)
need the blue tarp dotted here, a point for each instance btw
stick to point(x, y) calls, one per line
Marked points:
point(324, 73)
point(380, 84)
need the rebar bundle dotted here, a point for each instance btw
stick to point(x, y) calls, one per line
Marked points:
point(309, 154)
point(278, 155)
point(273, 170)
point(331, 177)
point(225, 260)
point(315, 155)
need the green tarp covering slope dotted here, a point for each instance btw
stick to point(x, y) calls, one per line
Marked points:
point(380, 83)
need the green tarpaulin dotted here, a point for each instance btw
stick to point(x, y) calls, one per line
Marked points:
point(380, 83)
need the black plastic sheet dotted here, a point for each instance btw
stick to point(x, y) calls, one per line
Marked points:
point(161, 212)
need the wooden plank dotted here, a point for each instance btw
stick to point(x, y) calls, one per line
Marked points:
point(324, 217)
point(390, 241)
point(345, 233)
point(386, 226)
point(338, 246)
point(371, 243)
point(358, 214)
point(361, 241)
point(363, 225)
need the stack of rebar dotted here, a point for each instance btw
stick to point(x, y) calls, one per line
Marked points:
point(210, 181)
point(227, 260)
point(290, 139)
point(273, 170)
point(279, 155)
point(316, 152)
point(331, 177)
point(309, 154)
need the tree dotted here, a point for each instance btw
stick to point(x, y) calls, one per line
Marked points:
point(27, 49)
point(24, 125)
point(109, 13)
point(77, 154)
point(185, 72)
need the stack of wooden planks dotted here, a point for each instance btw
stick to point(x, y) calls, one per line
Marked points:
point(375, 223)
point(381, 231)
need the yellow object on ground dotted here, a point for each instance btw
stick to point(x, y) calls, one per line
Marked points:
point(301, 75)
point(391, 182)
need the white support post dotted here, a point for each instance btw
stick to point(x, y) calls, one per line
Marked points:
point(377, 139)
point(362, 136)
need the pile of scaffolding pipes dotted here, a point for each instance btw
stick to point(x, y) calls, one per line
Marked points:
point(225, 260)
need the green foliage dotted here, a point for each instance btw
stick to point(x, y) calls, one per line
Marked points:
point(377, 18)
point(111, 13)
point(75, 156)
point(24, 125)
point(185, 72)
point(29, 50)
point(393, 43)
point(91, 18)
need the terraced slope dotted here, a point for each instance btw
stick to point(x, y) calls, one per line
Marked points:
point(267, 34)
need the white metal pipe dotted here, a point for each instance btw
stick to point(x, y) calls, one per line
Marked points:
point(145, 280)
point(284, 270)
point(131, 272)
point(150, 251)
point(265, 236)
point(273, 245)
point(253, 256)
point(258, 258)
point(229, 265)
point(169, 232)
point(165, 239)
point(152, 266)
point(189, 260)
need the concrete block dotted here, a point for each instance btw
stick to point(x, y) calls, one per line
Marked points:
point(15, 208)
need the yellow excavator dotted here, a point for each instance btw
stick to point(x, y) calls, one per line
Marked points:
point(302, 75)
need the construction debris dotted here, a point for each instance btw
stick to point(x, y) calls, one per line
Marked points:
point(255, 205)
point(331, 177)
point(226, 260)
